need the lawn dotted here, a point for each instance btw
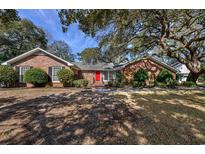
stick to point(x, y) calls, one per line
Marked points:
point(77, 116)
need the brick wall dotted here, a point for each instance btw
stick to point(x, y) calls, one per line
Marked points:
point(90, 76)
point(152, 67)
point(42, 61)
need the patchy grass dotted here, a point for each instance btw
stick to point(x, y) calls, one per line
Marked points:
point(76, 116)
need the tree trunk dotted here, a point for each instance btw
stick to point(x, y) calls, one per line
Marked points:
point(193, 76)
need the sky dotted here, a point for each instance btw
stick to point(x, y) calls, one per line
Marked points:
point(49, 21)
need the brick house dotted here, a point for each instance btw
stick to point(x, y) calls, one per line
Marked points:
point(97, 74)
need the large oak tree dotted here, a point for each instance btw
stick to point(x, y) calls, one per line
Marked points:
point(179, 34)
point(18, 35)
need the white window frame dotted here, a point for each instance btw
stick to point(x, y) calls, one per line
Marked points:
point(108, 73)
point(53, 73)
point(20, 73)
point(104, 75)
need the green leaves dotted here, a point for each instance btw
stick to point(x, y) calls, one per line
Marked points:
point(18, 36)
point(179, 34)
point(62, 50)
point(36, 76)
point(90, 55)
point(8, 76)
point(66, 77)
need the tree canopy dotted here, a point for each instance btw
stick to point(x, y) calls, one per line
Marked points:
point(179, 34)
point(61, 49)
point(18, 35)
point(90, 55)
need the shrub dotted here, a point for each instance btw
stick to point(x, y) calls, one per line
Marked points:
point(36, 76)
point(189, 84)
point(165, 79)
point(160, 84)
point(80, 83)
point(139, 78)
point(141, 75)
point(201, 78)
point(164, 76)
point(120, 77)
point(66, 77)
point(138, 84)
point(119, 80)
point(118, 84)
point(8, 76)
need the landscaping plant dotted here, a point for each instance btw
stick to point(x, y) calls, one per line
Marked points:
point(189, 84)
point(139, 78)
point(119, 80)
point(36, 76)
point(66, 77)
point(165, 79)
point(8, 76)
point(80, 83)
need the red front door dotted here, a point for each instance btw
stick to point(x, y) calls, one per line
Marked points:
point(97, 76)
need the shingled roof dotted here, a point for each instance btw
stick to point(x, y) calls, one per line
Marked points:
point(98, 66)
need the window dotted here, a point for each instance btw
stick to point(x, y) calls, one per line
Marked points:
point(105, 76)
point(55, 70)
point(108, 75)
point(22, 71)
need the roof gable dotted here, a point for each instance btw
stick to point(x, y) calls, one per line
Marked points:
point(155, 61)
point(31, 52)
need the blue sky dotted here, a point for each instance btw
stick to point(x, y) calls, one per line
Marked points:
point(49, 21)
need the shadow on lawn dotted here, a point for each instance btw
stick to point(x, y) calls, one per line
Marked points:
point(88, 117)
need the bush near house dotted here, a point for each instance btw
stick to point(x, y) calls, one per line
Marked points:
point(139, 78)
point(66, 77)
point(119, 80)
point(80, 83)
point(36, 76)
point(8, 76)
point(189, 84)
point(201, 79)
point(165, 79)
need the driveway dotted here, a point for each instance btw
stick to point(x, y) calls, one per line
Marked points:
point(78, 116)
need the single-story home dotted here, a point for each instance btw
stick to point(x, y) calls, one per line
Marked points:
point(97, 74)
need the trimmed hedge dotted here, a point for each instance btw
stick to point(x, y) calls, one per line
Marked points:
point(8, 76)
point(80, 83)
point(36, 76)
point(66, 77)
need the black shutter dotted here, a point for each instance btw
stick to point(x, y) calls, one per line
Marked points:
point(18, 73)
point(50, 73)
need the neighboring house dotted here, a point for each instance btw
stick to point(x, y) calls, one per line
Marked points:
point(152, 65)
point(97, 74)
point(182, 71)
point(39, 58)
